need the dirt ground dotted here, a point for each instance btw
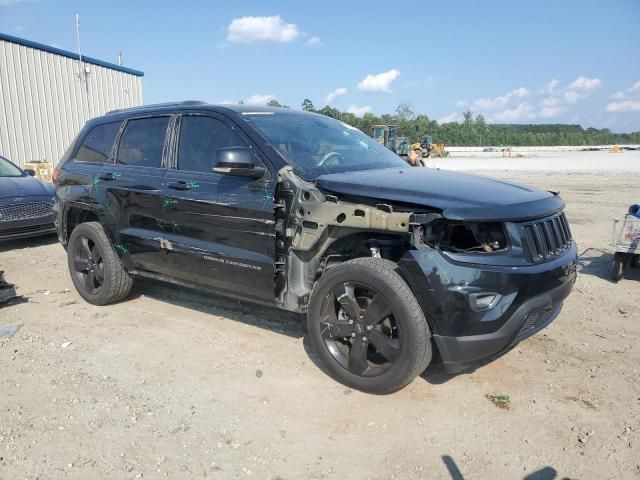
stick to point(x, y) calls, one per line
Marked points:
point(176, 384)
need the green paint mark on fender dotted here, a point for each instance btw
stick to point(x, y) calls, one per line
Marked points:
point(168, 202)
point(162, 225)
point(122, 249)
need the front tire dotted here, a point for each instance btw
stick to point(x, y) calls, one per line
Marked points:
point(95, 268)
point(367, 326)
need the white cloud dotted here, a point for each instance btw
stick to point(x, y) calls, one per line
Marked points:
point(338, 92)
point(522, 111)
point(259, 99)
point(622, 94)
point(571, 96)
point(452, 117)
point(585, 84)
point(418, 83)
point(462, 103)
point(550, 87)
point(551, 101)
point(629, 100)
point(624, 106)
point(484, 104)
point(314, 42)
point(548, 112)
point(359, 111)
point(261, 29)
point(523, 104)
point(581, 88)
point(380, 82)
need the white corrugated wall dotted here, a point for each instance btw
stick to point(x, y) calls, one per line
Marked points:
point(44, 102)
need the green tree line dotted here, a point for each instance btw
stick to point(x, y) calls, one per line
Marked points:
point(475, 131)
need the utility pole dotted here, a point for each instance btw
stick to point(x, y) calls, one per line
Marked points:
point(83, 73)
point(78, 36)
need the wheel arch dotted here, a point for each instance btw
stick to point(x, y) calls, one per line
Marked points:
point(75, 214)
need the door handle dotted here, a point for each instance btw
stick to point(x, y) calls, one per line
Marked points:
point(107, 177)
point(181, 185)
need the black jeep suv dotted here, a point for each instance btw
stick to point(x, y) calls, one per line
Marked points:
point(305, 213)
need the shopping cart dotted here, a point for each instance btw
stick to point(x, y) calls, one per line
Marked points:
point(626, 242)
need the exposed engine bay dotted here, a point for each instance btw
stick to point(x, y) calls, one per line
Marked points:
point(315, 231)
point(465, 237)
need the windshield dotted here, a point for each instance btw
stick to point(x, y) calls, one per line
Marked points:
point(8, 169)
point(314, 145)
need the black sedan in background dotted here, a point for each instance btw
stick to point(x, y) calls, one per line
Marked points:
point(26, 203)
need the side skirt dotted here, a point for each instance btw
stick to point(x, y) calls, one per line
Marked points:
point(200, 288)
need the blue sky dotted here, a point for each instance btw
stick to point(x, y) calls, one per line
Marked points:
point(561, 61)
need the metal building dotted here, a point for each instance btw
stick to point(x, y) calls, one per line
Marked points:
point(47, 94)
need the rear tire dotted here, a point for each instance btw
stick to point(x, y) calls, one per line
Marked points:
point(621, 261)
point(96, 270)
point(398, 347)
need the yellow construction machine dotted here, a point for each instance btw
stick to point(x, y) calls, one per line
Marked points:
point(387, 135)
point(425, 148)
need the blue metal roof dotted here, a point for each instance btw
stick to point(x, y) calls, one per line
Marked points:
point(65, 53)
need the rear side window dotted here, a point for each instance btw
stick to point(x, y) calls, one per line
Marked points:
point(97, 144)
point(142, 142)
point(200, 139)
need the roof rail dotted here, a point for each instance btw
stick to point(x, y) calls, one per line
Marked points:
point(159, 105)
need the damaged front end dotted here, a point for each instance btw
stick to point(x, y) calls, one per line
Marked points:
point(315, 230)
point(483, 284)
point(463, 237)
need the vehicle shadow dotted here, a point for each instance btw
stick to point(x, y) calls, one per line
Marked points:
point(435, 374)
point(18, 244)
point(597, 263)
point(545, 473)
point(269, 318)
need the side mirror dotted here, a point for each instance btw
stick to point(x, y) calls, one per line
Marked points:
point(30, 172)
point(237, 162)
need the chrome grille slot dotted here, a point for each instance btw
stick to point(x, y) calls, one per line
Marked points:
point(24, 211)
point(546, 238)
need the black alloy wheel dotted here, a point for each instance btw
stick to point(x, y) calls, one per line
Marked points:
point(96, 270)
point(367, 327)
point(88, 264)
point(360, 329)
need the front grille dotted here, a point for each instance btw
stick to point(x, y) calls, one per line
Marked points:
point(25, 211)
point(547, 238)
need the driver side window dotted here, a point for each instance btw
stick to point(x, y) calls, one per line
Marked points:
point(200, 139)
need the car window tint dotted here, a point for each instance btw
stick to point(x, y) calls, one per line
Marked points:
point(200, 139)
point(7, 169)
point(142, 142)
point(97, 144)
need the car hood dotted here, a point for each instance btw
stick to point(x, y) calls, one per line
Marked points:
point(459, 196)
point(16, 187)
